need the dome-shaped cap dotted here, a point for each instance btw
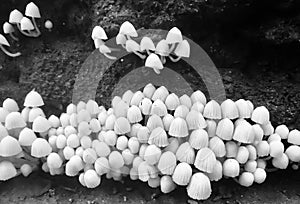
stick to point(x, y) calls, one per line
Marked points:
point(14, 120)
point(162, 48)
point(174, 36)
point(128, 29)
point(3, 132)
point(34, 113)
point(9, 146)
point(3, 114)
point(40, 148)
point(199, 187)
point(33, 99)
point(147, 44)
point(10, 105)
point(15, 16)
point(26, 24)
point(7, 170)
point(41, 124)
point(32, 10)
point(99, 33)
point(26, 137)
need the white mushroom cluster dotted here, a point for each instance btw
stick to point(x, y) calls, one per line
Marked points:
point(150, 135)
point(173, 46)
point(25, 24)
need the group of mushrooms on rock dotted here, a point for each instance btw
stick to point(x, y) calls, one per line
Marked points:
point(26, 25)
point(173, 46)
point(150, 135)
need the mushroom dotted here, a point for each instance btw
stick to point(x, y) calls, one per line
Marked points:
point(128, 30)
point(27, 26)
point(9, 29)
point(7, 171)
point(3, 41)
point(48, 24)
point(174, 36)
point(33, 11)
point(121, 40)
point(147, 44)
point(99, 33)
point(162, 48)
point(132, 46)
point(33, 99)
point(182, 50)
point(15, 17)
point(154, 62)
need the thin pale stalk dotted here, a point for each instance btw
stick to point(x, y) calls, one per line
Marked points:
point(8, 53)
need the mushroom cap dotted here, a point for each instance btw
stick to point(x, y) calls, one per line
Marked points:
point(162, 48)
point(89, 156)
point(174, 36)
point(137, 98)
point(167, 185)
point(242, 155)
point(32, 10)
point(15, 16)
point(134, 130)
point(172, 101)
point(158, 137)
point(260, 115)
point(143, 134)
point(160, 93)
point(26, 137)
point(102, 166)
point(147, 44)
point(263, 148)
point(198, 107)
point(134, 145)
point(198, 96)
point(40, 148)
point(115, 160)
point(260, 175)
point(212, 110)
point(211, 127)
point(185, 100)
point(34, 113)
point(250, 166)
point(95, 125)
point(3, 114)
point(185, 153)
point(152, 154)
point(231, 168)
point(281, 162)
point(245, 110)
point(134, 114)
point(127, 156)
point(225, 129)
point(181, 111)
point(132, 46)
point(101, 148)
point(33, 99)
point(121, 108)
point(3, 132)
point(145, 106)
point(178, 128)
point(252, 152)
point(167, 120)
point(195, 120)
point(293, 152)
point(40, 124)
point(153, 122)
point(294, 137)
point(127, 96)
point(276, 148)
point(217, 173)
point(74, 166)
point(99, 33)
point(167, 163)
point(198, 139)
point(26, 24)
point(121, 39)
point(122, 126)
point(68, 152)
point(61, 141)
point(183, 49)
point(205, 160)
point(73, 141)
point(217, 146)
point(14, 120)
point(54, 161)
point(3, 41)
point(128, 29)
point(182, 174)
point(9, 146)
point(7, 170)
point(231, 149)
point(229, 109)
point(246, 179)
point(92, 107)
point(199, 187)
point(154, 62)
point(283, 131)
point(154, 182)
point(244, 133)
point(10, 105)
point(149, 90)
point(48, 24)
point(26, 169)
point(159, 108)
point(8, 28)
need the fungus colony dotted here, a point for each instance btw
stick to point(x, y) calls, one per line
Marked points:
point(150, 135)
point(26, 25)
point(173, 46)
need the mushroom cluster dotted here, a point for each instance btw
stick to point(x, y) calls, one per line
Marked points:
point(150, 135)
point(25, 24)
point(174, 46)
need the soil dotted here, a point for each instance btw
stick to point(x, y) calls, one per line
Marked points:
point(257, 57)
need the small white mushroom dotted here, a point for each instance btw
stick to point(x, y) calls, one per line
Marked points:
point(3, 41)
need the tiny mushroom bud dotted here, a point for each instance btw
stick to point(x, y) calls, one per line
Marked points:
point(48, 25)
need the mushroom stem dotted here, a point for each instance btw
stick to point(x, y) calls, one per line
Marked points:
point(123, 45)
point(38, 32)
point(269, 170)
point(114, 49)
point(163, 59)
point(109, 56)
point(156, 71)
point(13, 37)
point(139, 54)
point(128, 37)
point(23, 32)
point(172, 47)
point(8, 53)
point(174, 59)
point(148, 51)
